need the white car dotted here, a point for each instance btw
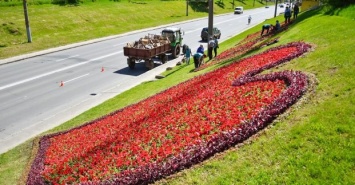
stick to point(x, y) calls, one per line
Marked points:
point(238, 10)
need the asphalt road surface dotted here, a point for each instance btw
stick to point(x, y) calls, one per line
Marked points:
point(33, 100)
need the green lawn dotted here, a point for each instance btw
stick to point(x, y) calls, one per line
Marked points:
point(312, 144)
point(315, 143)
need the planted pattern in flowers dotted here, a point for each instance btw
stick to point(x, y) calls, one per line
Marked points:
point(174, 129)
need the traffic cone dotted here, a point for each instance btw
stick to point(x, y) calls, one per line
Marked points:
point(102, 69)
point(61, 84)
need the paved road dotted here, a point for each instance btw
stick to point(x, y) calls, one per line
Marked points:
point(32, 100)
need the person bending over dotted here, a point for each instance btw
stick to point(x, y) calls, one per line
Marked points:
point(266, 27)
point(198, 59)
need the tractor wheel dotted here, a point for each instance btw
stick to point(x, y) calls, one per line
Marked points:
point(176, 51)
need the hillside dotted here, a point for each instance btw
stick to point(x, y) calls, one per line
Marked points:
point(314, 144)
point(311, 144)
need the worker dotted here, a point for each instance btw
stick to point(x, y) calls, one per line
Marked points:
point(200, 49)
point(266, 27)
point(198, 59)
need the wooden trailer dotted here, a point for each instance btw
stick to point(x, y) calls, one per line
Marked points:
point(146, 49)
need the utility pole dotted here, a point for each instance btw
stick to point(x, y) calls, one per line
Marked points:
point(210, 22)
point(27, 22)
point(187, 7)
point(210, 18)
point(276, 8)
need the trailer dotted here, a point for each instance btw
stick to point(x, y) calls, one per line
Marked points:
point(154, 46)
point(146, 49)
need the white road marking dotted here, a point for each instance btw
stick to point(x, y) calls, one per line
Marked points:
point(76, 78)
point(198, 29)
point(55, 71)
point(119, 44)
point(108, 90)
point(66, 58)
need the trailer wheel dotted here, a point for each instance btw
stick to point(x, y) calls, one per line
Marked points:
point(163, 58)
point(131, 63)
point(149, 64)
point(176, 51)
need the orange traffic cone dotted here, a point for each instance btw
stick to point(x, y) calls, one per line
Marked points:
point(102, 69)
point(61, 84)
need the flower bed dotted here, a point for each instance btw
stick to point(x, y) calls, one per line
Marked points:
point(251, 42)
point(174, 129)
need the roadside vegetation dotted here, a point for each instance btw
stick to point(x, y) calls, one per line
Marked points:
point(54, 25)
point(313, 144)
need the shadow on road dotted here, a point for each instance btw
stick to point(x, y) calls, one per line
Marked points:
point(139, 69)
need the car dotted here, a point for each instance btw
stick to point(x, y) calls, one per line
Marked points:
point(204, 33)
point(281, 5)
point(238, 10)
